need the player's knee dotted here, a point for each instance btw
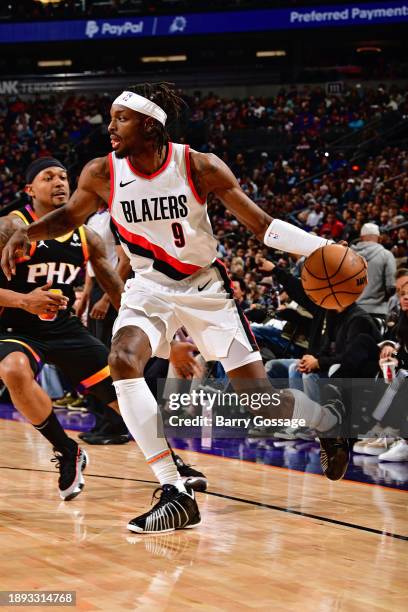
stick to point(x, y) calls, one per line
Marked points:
point(124, 363)
point(15, 369)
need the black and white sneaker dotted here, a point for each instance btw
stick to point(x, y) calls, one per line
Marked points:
point(70, 465)
point(334, 449)
point(174, 510)
point(191, 477)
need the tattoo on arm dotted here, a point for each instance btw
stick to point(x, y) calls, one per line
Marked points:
point(99, 174)
point(98, 168)
point(6, 230)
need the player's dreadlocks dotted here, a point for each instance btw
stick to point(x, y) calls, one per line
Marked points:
point(164, 95)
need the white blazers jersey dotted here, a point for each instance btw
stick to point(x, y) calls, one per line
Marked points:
point(161, 222)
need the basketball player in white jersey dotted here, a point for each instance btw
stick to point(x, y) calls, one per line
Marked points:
point(157, 191)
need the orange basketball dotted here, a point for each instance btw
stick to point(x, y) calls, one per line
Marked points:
point(334, 276)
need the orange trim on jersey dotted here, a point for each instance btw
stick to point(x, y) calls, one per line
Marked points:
point(33, 247)
point(112, 180)
point(31, 212)
point(159, 171)
point(32, 351)
point(96, 378)
point(189, 177)
point(84, 242)
point(165, 453)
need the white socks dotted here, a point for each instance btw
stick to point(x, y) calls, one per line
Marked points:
point(316, 416)
point(286, 237)
point(140, 412)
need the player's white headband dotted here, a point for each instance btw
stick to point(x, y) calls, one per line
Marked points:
point(142, 105)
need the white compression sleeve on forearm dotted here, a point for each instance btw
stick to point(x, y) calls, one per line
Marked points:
point(283, 236)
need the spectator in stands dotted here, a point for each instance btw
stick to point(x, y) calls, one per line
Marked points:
point(393, 310)
point(315, 216)
point(240, 290)
point(332, 227)
point(381, 271)
point(390, 421)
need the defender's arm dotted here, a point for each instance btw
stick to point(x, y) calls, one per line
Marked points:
point(107, 277)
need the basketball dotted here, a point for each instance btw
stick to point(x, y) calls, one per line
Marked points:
point(334, 276)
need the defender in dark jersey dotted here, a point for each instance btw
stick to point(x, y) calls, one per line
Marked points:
point(27, 342)
point(58, 337)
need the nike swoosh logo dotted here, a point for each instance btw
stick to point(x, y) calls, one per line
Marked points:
point(203, 287)
point(125, 184)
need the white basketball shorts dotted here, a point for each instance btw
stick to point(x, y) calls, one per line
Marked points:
point(203, 304)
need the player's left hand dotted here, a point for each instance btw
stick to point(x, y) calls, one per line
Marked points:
point(17, 247)
point(183, 360)
point(100, 308)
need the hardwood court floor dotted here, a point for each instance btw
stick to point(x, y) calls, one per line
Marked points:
point(271, 538)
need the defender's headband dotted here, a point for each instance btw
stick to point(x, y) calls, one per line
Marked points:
point(141, 105)
point(41, 164)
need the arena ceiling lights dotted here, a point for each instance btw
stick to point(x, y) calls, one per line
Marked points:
point(369, 49)
point(151, 59)
point(272, 53)
point(54, 63)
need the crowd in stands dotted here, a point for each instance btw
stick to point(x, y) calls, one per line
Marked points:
point(71, 9)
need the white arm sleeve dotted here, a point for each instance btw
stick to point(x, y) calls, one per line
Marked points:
point(283, 236)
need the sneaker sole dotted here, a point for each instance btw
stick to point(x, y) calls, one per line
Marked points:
point(80, 483)
point(359, 450)
point(402, 459)
point(140, 531)
point(375, 452)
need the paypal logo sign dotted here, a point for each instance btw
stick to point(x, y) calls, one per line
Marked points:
point(91, 29)
point(111, 30)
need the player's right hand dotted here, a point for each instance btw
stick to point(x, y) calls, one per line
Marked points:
point(41, 300)
point(17, 246)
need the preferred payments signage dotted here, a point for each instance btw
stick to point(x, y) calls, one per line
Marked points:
point(356, 14)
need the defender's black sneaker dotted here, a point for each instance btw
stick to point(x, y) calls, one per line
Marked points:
point(70, 465)
point(191, 477)
point(334, 449)
point(91, 432)
point(107, 434)
point(174, 510)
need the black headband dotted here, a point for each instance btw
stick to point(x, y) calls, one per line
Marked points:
point(41, 164)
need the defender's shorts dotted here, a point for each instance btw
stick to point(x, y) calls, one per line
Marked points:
point(80, 356)
point(203, 304)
